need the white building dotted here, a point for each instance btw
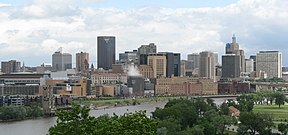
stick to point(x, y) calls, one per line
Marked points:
point(269, 62)
point(109, 78)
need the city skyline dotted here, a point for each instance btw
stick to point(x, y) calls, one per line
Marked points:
point(31, 31)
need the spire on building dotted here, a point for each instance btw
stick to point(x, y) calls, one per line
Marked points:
point(23, 67)
point(233, 39)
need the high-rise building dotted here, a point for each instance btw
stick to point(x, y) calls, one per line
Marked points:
point(128, 57)
point(193, 61)
point(216, 58)
point(158, 64)
point(173, 62)
point(11, 66)
point(249, 65)
point(105, 52)
point(144, 51)
point(233, 48)
point(61, 61)
point(207, 65)
point(253, 57)
point(269, 62)
point(82, 61)
point(230, 66)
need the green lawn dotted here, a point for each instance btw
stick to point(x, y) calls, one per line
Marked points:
point(279, 114)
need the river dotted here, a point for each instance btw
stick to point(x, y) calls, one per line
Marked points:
point(40, 126)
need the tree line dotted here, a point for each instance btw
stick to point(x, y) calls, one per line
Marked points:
point(197, 116)
point(12, 112)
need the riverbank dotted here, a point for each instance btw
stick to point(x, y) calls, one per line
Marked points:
point(96, 104)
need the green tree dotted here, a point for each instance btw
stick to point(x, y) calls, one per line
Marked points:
point(196, 130)
point(283, 128)
point(279, 99)
point(179, 110)
point(78, 122)
point(246, 103)
point(255, 122)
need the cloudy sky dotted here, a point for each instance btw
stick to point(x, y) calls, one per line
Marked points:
point(32, 30)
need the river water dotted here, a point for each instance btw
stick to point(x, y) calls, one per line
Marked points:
point(40, 126)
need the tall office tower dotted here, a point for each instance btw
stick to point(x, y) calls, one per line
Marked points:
point(183, 67)
point(270, 62)
point(144, 51)
point(82, 61)
point(216, 58)
point(253, 57)
point(173, 62)
point(193, 60)
point(105, 52)
point(158, 64)
point(11, 66)
point(230, 66)
point(128, 57)
point(249, 65)
point(61, 61)
point(233, 48)
point(207, 65)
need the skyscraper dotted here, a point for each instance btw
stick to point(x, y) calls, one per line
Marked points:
point(61, 61)
point(192, 64)
point(82, 61)
point(270, 62)
point(173, 63)
point(230, 66)
point(253, 57)
point(143, 52)
point(233, 48)
point(11, 66)
point(207, 65)
point(158, 64)
point(128, 57)
point(249, 65)
point(105, 52)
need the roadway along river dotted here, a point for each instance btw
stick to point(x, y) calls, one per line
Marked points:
point(40, 126)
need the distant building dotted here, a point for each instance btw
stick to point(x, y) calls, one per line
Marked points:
point(270, 62)
point(233, 48)
point(184, 86)
point(143, 52)
point(193, 63)
point(70, 86)
point(249, 65)
point(20, 84)
point(173, 63)
point(105, 51)
point(207, 65)
point(128, 57)
point(136, 83)
point(61, 61)
point(233, 87)
point(43, 69)
point(230, 66)
point(11, 66)
point(108, 78)
point(253, 57)
point(183, 67)
point(82, 62)
point(146, 71)
point(158, 63)
point(234, 112)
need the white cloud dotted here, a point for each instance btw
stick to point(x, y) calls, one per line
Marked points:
point(36, 30)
